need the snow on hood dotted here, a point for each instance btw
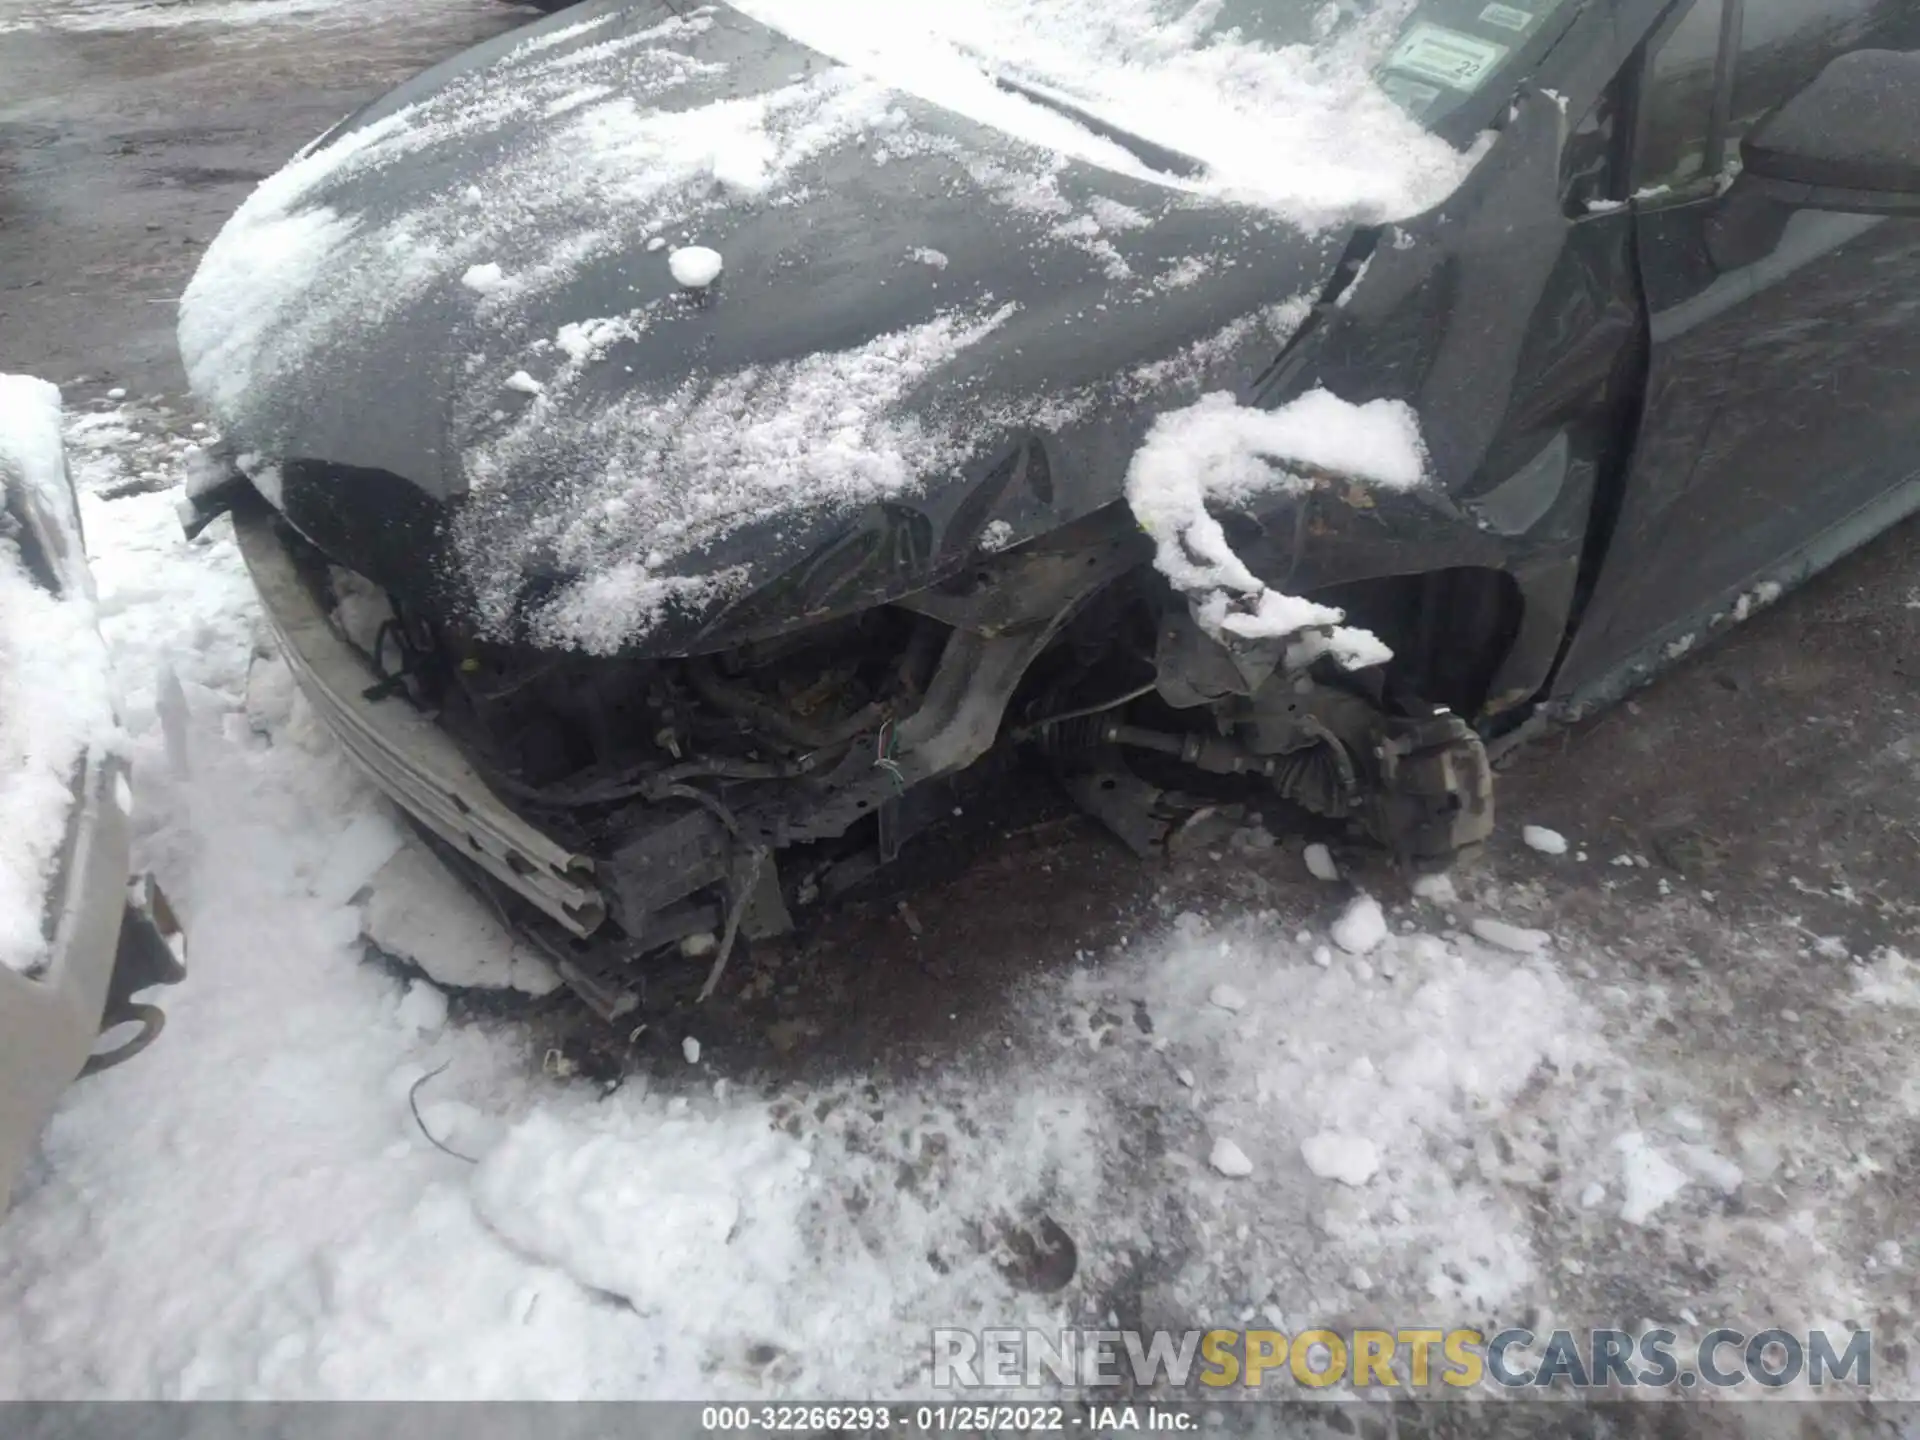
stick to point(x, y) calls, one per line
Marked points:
point(291, 273)
point(478, 197)
point(673, 472)
point(56, 691)
point(1300, 131)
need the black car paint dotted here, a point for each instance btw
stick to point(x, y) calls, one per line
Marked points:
point(1510, 316)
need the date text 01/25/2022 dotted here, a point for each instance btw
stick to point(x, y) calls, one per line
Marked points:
point(943, 1419)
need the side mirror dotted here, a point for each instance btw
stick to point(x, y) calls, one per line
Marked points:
point(1856, 128)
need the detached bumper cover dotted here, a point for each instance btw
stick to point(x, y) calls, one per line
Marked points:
point(407, 756)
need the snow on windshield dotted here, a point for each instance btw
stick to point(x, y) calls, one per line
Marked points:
point(1300, 129)
point(56, 694)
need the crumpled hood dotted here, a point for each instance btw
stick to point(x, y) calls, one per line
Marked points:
point(468, 288)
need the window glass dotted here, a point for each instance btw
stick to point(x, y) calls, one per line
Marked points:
point(1677, 103)
point(1785, 44)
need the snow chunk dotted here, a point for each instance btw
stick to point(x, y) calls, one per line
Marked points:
point(1758, 598)
point(523, 382)
point(690, 1048)
point(1229, 1159)
point(1361, 926)
point(419, 912)
point(695, 267)
point(1112, 215)
point(1547, 842)
point(935, 259)
point(356, 855)
point(1435, 889)
point(1649, 1179)
point(1518, 939)
point(56, 687)
point(1714, 1168)
point(995, 536)
point(1186, 271)
point(583, 341)
point(1225, 997)
point(1320, 862)
point(1350, 1159)
point(484, 279)
point(422, 1009)
point(1217, 452)
point(651, 1206)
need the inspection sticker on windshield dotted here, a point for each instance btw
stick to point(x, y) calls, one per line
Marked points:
point(1456, 60)
point(1507, 17)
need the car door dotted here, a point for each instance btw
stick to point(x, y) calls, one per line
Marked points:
point(1781, 420)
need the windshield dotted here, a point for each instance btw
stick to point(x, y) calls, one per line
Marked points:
point(1451, 50)
point(1322, 110)
point(1441, 54)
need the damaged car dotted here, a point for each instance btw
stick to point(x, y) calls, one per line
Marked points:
point(682, 449)
point(82, 944)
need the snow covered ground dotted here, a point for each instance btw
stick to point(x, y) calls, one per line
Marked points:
point(1441, 1117)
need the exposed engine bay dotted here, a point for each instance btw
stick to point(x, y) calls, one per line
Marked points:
point(717, 793)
